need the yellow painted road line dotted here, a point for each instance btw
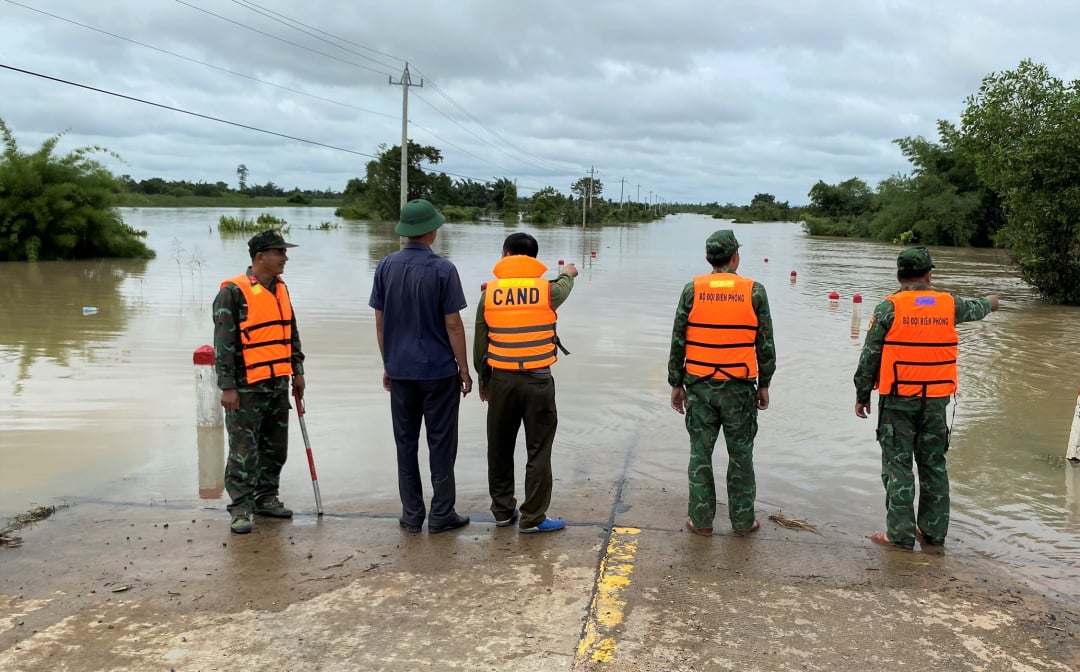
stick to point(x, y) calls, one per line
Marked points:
point(608, 604)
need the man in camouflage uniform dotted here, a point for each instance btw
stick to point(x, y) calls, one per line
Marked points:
point(912, 426)
point(256, 414)
point(722, 400)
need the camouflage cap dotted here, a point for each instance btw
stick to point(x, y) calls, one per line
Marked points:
point(914, 260)
point(271, 239)
point(721, 245)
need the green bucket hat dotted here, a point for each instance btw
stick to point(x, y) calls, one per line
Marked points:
point(721, 245)
point(914, 260)
point(417, 218)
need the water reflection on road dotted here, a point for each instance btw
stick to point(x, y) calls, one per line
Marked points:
point(103, 405)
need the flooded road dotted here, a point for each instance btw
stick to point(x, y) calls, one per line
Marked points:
point(101, 406)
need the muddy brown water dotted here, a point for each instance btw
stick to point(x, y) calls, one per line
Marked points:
point(101, 407)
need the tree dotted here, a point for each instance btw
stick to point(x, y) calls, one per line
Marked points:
point(1023, 129)
point(384, 178)
point(588, 187)
point(504, 195)
point(54, 208)
point(241, 176)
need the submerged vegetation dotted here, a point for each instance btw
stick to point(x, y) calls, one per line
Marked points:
point(60, 207)
point(1006, 176)
point(229, 224)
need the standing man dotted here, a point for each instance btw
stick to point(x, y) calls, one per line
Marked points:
point(910, 358)
point(722, 362)
point(256, 352)
point(417, 297)
point(513, 351)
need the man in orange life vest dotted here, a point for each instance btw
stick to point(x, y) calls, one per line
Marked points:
point(909, 356)
point(257, 352)
point(721, 365)
point(513, 351)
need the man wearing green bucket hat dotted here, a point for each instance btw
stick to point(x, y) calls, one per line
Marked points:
point(418, 299)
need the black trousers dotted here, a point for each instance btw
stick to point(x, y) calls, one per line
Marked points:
point(516, 399)
point(435, 403)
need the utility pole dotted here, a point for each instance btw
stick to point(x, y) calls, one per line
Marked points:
point(638, 194)
point(592, 171)
point(622, 181)
point(405, 83)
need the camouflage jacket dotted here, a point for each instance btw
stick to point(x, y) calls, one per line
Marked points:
point(230, 309)
point(763, 344)
point(967, 310)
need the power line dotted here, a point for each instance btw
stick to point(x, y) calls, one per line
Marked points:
point(282, 39)
point(336, 37)
point(483, 140)
point(284, 21)
point(287, 20)
point(203, 63)
point(530, 164)
point(223, 121)
point(188, 112)
point(551, 164)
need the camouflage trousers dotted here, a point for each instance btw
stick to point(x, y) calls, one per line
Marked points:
point(258, 443)
point(732, 406)
point(919, 437)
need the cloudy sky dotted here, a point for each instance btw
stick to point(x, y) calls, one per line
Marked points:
point(691, 100)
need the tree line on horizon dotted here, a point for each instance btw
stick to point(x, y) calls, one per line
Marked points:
point(1006, 176)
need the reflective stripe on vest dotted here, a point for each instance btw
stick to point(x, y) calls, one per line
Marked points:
point(266, 331)
point(722, 328)
point(919, 355)
point(519, 317)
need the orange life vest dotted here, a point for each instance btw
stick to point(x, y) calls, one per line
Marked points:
point(722, 328)
point(266, 331)
point(919, 355)
point(518, 313)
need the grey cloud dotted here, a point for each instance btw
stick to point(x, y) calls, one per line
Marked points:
point(699, 100)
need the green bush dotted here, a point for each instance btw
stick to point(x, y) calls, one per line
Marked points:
point(57, 208)
point(228, 224)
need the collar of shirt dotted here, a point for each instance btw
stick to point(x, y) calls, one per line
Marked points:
point(416, 246)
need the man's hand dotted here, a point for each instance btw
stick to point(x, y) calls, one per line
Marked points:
point(570, 270)
point(862, 410)
point(678, 399)
point(995, 303)
point(298, 385)
point(466, 383)
point(230, 399)
point(385, 380)
point(483, 392)
point(762, 398)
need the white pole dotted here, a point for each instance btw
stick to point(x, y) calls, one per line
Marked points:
point(1073, 452)
point(208, 411)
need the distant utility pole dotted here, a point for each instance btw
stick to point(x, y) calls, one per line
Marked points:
point(592, 173)
point(638, 194)
point(622, 181)
point(405, 83)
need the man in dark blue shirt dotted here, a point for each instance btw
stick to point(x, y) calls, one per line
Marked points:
point(417, 297)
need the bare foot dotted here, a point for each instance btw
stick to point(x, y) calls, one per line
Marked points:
point(702, 531)
point(745, 533)
point(882, 539)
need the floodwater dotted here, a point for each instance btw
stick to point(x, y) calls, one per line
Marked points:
point(101, 407)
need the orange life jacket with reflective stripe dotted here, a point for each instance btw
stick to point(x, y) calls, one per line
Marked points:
point(722, 328)
point(519, 317)
point(266, 331)
point(919, 355)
